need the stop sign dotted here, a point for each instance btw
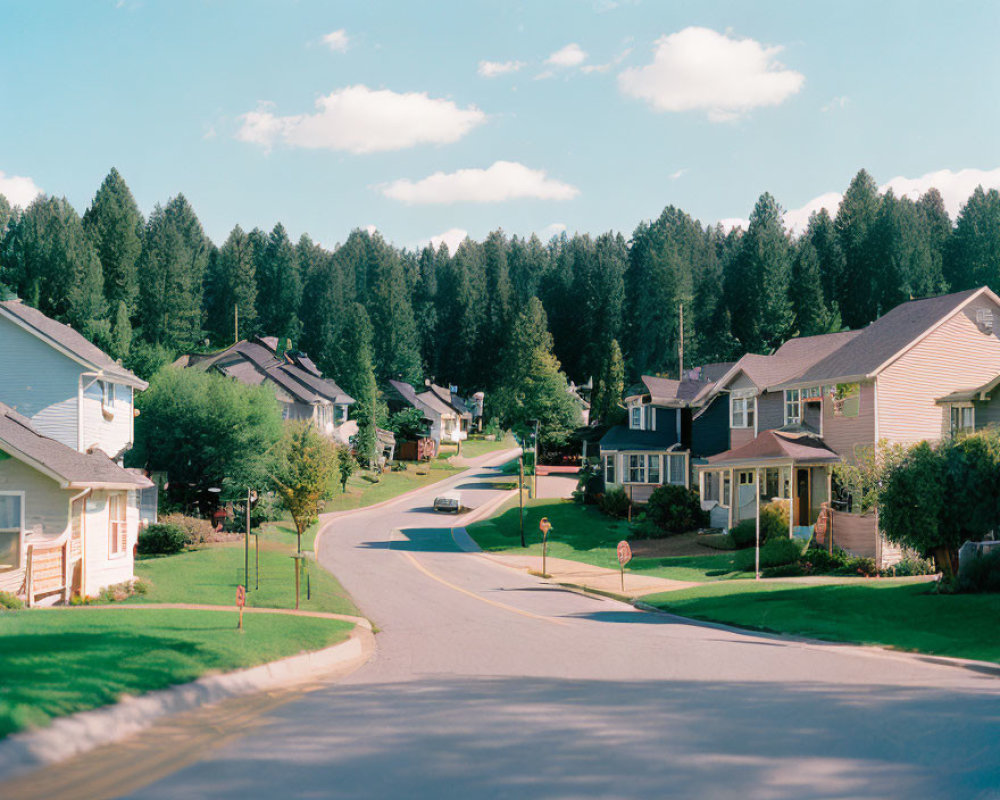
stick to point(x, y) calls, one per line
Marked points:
point(624, 552)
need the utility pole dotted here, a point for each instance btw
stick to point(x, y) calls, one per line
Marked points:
point(681, 345)
point(534, 472)
point(236, 323)
point(520, 492)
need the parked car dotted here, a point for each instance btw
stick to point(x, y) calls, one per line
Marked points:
point(449, 501)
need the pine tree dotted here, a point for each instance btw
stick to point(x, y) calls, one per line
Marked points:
point(652, 327)
point(50, 263)
point(458, 312)
point(121, 333)
point(324, 304)
point(388, 304)
point(609, 386)
point(424, 307)
point(854, 225)
point(937, 229)
point(534, 387)
point(806, 293)
point(973, 257)
point(279, 294)
point(822, 235)
point(115, 227)
point(357, 378)
point(175, 254)
point(231, 289)
point(6, 215)
point(758, 280)
point(528, 262)
point(496, 306)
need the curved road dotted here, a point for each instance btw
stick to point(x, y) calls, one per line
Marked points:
point(489, 683)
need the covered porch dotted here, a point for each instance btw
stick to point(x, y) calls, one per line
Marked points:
point(778, 466)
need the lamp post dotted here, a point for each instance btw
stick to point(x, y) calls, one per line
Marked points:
point(534, 472)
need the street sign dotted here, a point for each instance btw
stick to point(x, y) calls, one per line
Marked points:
point(821, 522)
point(545, 526)
point(241, 600)
point(624, 556)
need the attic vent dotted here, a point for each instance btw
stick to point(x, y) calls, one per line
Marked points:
point(984, 319)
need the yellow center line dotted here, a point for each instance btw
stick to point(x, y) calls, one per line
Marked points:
point(473, 595)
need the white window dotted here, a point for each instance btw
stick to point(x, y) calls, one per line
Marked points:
point(117, 526)
point(636, 468)
point(635, 418)
point(793, 406)
point(741, 410)
point(746, 477)
point(726, 489)
point(963, 419)
point(653, 468)
point(609, 469)
point(107, 399)
point(11, 530)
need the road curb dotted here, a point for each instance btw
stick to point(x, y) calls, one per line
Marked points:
point(86, 730)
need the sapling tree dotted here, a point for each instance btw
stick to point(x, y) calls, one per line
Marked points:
point(303, 474)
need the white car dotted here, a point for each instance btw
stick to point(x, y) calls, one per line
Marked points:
point(449, 501)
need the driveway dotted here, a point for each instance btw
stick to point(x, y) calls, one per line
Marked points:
point(488, 683)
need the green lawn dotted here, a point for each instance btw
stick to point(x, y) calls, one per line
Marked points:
point(212, 573)
point(361, 491)
point(56, 662)
point(901, 615)
point(582, 533)
point(473, 448)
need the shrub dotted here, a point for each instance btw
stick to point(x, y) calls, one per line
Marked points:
point(785, 571)
point(675, 509)
point(10, 602)
point(615, 503)
point(858, 566)
point(823, 562)
point(196, 530)
point(773, 525)
point(981, 574)
point(161, 539)
point(911, 566)
point(775, 553)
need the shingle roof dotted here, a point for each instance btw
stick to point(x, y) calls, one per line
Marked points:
point(451, 399)
point(884, 338)
point(621, 437)
point(259, 363)
point(69, 467)
point(968, 395)
point(64, 336)
point(774, 445)
point(791, 359)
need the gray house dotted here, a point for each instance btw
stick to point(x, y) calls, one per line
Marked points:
point(447, 416)
point(302, 391)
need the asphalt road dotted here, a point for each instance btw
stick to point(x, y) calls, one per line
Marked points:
point(488, 683)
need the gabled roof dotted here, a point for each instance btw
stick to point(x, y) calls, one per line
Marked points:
point(621, 437)
point(65, 339)
point(451, 399)
point(253, 362)
point(885, 339)
point(778, 446)
point(68, 467)
point(789, 361)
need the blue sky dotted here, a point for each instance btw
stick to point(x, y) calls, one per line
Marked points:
point(588, 114)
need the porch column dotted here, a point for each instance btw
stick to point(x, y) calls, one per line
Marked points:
point(791, 501)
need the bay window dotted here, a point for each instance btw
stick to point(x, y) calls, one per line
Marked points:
point(636, 468)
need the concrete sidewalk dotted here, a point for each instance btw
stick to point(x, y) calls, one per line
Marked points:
point(574, 573)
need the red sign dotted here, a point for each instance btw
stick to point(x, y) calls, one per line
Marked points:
point(241, 596)
point(624, 552)
point(545, 526)
point(821, 521)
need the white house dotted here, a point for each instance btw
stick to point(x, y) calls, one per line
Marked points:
point(69, 511)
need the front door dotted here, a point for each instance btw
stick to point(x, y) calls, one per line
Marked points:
point(802, 495)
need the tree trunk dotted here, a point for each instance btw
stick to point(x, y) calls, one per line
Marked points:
point(946, 559)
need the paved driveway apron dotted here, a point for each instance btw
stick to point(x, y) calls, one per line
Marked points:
point(490, 683)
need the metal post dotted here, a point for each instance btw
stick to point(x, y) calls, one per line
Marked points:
point(520, 493)
point(756, 492)
point(256, 570)
point(296, 558)
point(545, 543)
point(246, 547)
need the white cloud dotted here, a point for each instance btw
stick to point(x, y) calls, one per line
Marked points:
point(734, 222)
point(362, 120)
point(572, 55)
point(836, 103)
point(700, 69)
point(18, 190)
point(678, 174)
point(797, 219)
point(452, 237)
point(544, 75)
point(490, 69)
point(337, 40)
point(608, 65)
point(549, 231)
point(504, 180)
point(371, 229)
